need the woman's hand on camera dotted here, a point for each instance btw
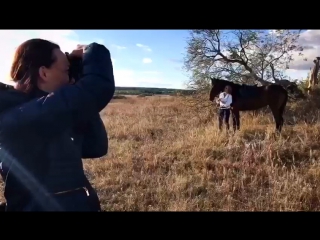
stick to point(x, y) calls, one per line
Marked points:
point(78, 52)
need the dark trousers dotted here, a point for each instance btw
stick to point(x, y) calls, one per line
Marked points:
point(224, 115)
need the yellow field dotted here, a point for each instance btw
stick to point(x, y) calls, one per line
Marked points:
point(165, 156)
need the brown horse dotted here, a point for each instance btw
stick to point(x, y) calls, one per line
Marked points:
point(248, 98)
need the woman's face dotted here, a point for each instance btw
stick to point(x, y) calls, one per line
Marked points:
point(227, 89)
point(57, 75)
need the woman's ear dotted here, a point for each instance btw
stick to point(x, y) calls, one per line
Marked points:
point(43, 73)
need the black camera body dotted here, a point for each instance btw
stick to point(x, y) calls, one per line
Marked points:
point(75, 69)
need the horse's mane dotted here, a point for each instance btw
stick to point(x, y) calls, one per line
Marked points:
point(225, 82)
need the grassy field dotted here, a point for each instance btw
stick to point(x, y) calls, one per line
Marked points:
point(146, 90)
point(163, 155)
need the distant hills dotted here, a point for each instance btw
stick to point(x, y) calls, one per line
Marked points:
point(150, 91)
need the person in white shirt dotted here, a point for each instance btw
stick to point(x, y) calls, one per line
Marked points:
point(224, 101)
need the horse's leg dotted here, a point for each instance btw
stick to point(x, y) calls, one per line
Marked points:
point(236, 120)
point(277, 106)
point(281, 112)
point(276, 116)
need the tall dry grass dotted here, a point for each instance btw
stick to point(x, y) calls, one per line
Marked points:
point(163, 155)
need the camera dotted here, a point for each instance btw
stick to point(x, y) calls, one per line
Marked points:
point(75, 69)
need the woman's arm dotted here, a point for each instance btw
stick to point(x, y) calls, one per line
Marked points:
point(60, 110)
point(95, 139)
point(219, 98)
point(223, 97)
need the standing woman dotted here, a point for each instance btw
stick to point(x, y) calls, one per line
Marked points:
point(48, 125)
point(224, 101)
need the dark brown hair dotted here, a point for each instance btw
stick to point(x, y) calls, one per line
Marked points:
point(28, 58)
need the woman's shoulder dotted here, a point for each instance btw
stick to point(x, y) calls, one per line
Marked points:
point(10, 97)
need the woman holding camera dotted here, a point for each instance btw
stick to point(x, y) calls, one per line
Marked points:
point(48, 125)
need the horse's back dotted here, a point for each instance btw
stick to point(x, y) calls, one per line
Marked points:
point(275, 89)
point(247, 92)
point(254, 97)
point(250, 104)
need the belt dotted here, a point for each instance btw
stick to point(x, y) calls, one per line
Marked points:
point(73, 190)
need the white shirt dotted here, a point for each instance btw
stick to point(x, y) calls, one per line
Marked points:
point(224, 100)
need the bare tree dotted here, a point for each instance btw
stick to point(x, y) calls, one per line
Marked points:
point(240, 55)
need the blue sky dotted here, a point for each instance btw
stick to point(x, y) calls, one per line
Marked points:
point(143, 58)
point(149, 58)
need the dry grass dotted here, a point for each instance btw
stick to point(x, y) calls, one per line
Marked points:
point(164, 156)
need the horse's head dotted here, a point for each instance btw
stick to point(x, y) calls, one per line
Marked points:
point(294, 90)
point(217, 86)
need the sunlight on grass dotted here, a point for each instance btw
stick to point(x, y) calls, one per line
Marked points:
point(164, 156)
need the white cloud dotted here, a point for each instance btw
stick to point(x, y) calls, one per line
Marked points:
point(297, 74)
point(11, 39)
point(299, 68)
point(152, 72)
point(126, 77)
point(68, 40)
point(276, 32)
point(130, 78)
point(119, 47)
point(147, 60)
point(144, 47)
point(310, 40)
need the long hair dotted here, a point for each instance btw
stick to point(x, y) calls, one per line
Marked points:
point(28, 58)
